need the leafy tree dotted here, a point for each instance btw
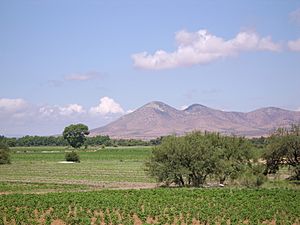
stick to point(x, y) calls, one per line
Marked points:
point(75, 134)
point(234, 155)
point(189, 160)
point(4, 153)
point(284, 149)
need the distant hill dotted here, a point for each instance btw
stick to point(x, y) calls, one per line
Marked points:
point(159, 119)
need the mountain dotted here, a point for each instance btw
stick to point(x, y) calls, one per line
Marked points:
point(159, 119)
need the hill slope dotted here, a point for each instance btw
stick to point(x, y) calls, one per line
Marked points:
point(158, 119)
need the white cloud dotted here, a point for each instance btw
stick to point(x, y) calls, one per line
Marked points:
point(294, 45)
point(8, 105)
point(201, 47)
point(83, 77)
point(18, 116)
point(106, 106)
point(295, 16)
point(72, 109)
point(55, 111)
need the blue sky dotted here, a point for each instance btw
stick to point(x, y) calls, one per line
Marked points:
point(69, 61)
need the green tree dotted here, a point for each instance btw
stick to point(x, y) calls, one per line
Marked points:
point(75, 134)
point(234, 155)
point(189, 160)
point(4, 153)
point(284, 149)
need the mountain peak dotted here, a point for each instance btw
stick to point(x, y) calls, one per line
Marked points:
point(157, 105)
point(195, 108)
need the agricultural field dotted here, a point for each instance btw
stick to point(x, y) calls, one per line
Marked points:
point(40, 169)
point(154, 206)
point(38, 189)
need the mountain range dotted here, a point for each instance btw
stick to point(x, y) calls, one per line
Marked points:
point(157, 119)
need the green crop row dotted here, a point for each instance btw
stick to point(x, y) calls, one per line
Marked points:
point(155, 206)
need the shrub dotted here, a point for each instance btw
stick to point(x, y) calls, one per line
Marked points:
point(253, 177)
point(72, 157)
point(4, 153)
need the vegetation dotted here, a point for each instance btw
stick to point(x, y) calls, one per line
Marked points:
point(72, 157)
point(284, 150)
point(191, 159)
point(99, 168)
point(154, 206)
point(4, 153)
point(75, 134)
point(29, 141)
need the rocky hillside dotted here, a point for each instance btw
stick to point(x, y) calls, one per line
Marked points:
point(158, 119)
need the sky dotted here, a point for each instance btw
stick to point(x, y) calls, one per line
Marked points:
point(92, 61)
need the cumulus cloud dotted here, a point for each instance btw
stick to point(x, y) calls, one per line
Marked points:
point(201, 47)
point(107, 106)
point(68, 110)
point(294, 45)
point(16, 105)
point(71, 109)
point(295, 16)
point(18, 116)
point(82, 76)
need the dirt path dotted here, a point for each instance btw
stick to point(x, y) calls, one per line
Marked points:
point(90, 186)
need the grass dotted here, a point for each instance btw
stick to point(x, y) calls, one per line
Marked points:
point(98, 168)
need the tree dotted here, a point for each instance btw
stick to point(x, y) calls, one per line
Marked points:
point(189, 160)
point(75, 134)
point(234, 157)
point(4, 153)
point(284, 149)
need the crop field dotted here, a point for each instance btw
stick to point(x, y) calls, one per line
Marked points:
point(39, 169)
point(38, 189)
point(154, 206)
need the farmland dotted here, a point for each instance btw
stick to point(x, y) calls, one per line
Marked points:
point(154, 206)
point(39, 168)
point(37, 189)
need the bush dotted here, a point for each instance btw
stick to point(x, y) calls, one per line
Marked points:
point(253, 177)
point(72, 157)
point(4, 153)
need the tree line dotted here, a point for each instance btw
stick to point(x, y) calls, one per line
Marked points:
point(100, 140)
